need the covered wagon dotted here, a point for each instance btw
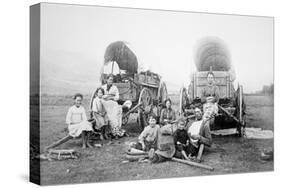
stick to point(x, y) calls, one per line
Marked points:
point(212, 55)
point(146, 91)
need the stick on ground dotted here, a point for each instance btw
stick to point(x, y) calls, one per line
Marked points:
point(188, 162)
point(59, 142)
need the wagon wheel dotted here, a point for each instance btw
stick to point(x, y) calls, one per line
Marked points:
point(91, 104)
point(183, 101)
point(162, 93)
point(240, 112)
point(145, 99)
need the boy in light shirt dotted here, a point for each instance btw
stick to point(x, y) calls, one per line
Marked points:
point(148, 138)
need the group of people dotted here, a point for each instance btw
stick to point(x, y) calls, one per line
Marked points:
point(105, 111)
point(174, 138)
point(171, 137)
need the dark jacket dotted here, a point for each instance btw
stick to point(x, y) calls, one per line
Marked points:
point(181, 136)
point(167, 114)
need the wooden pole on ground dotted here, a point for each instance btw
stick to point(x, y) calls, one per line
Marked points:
point(59, 142)
point(135, 154)
point(135, 157)
point(191, 163)
point(134, 151)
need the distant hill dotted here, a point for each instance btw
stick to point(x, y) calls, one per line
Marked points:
point(65, 73)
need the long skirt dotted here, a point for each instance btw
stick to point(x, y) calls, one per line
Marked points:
point(100, 120)
point(114, 113)
point(76, 129)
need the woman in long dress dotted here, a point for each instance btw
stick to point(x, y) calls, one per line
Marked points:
point(114, 111)
point(77, 121)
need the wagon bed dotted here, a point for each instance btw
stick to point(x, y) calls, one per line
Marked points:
point(231, 102)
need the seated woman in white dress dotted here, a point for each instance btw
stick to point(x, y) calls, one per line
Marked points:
point(99, 113)
point(113, 109)
point(77, 122)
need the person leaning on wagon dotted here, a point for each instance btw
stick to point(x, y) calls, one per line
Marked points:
point(168, 115)
point(113, 109)
point(210, 93)
point(111, 92)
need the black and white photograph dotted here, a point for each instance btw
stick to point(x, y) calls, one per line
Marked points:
point(120, 94)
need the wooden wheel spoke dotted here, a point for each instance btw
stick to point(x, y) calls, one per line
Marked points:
point(145, 99)
point(183, 100)
point(240, 111)
point(162, 92)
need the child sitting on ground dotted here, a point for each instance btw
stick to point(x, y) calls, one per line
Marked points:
point(77, 122)
point(148, 138)
point(99, 114)
point(181, 140)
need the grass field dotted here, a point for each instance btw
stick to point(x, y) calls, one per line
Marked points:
point(227, 155)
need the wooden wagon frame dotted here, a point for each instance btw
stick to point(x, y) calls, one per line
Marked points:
point(145, 90)
point(231, 102)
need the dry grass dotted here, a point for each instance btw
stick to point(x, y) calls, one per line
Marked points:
point(228, 154)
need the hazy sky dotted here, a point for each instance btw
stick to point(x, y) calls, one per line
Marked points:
point(163, 41)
